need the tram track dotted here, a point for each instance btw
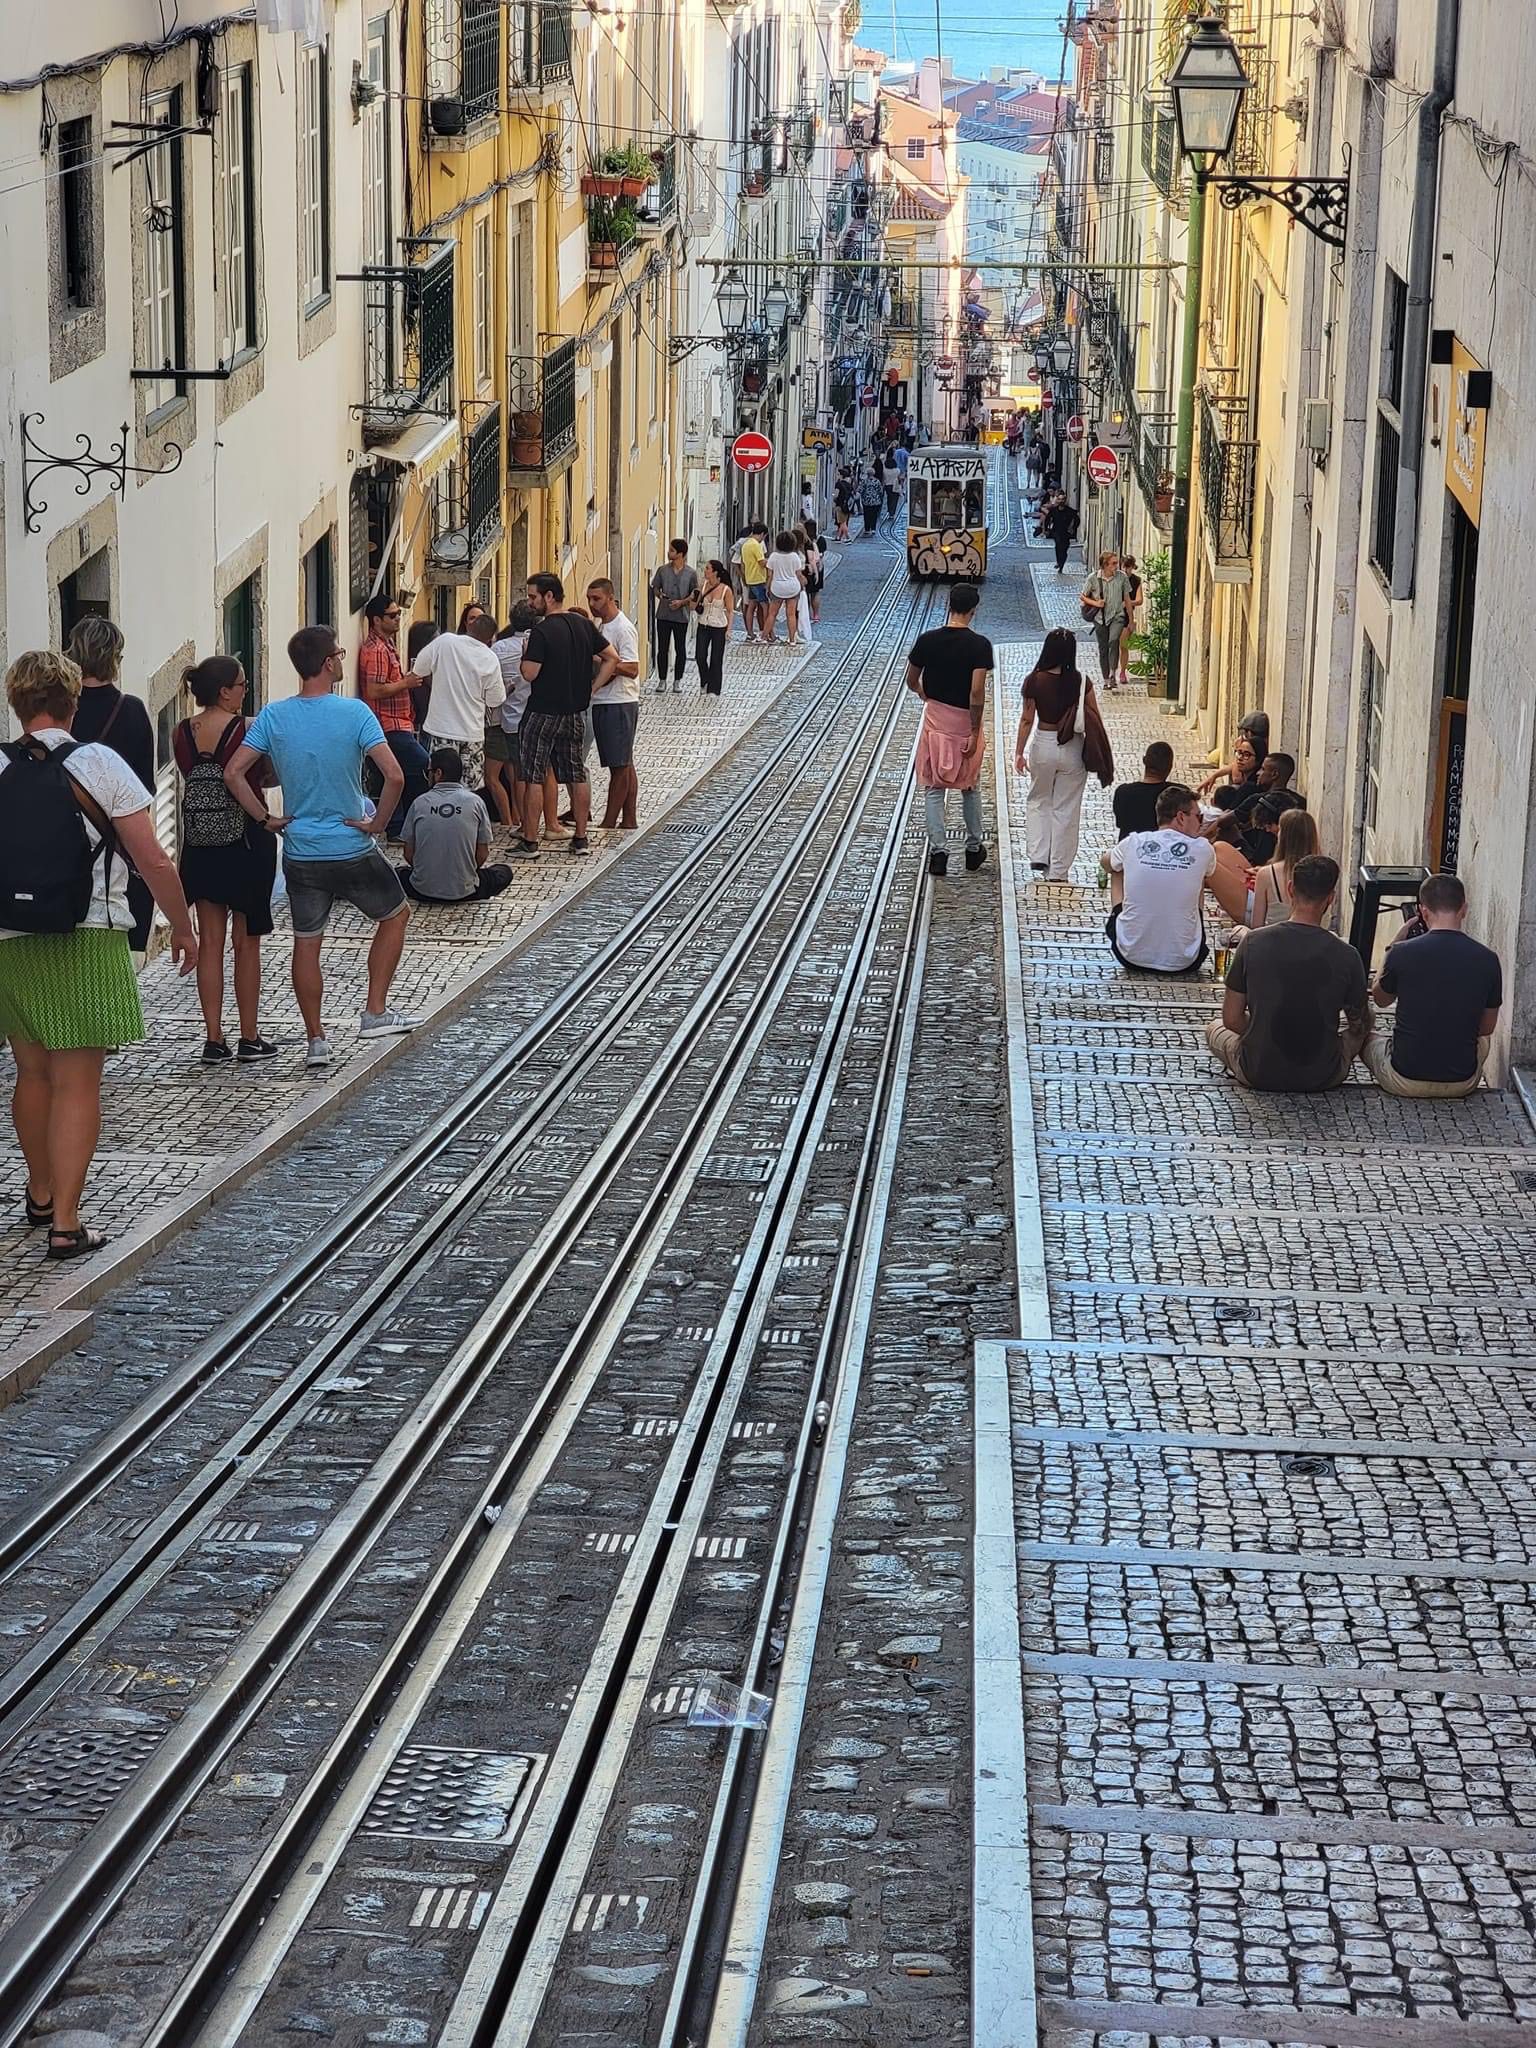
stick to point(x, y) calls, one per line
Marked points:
point(40, 1523)
point(43, 1942)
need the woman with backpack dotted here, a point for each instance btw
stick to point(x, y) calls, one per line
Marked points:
point(71, 819)
point(228, 862)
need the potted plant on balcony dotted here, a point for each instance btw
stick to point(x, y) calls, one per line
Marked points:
point(624, 225)
point(1162, 497)
point(527, 439)
point(602, 240)
point(446, 114)
point(600, 185)
point(754, 182)
point(633, 168)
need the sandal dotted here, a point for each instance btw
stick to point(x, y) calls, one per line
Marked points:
point(74, 1244)
point(38, 1213)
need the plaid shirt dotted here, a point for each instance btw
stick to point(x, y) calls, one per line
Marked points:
point(377, 662)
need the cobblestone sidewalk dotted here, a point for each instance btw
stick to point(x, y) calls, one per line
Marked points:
point(1270, 1485)
point(174, 1133)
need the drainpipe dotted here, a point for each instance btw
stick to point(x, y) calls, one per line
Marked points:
point(1421, 284)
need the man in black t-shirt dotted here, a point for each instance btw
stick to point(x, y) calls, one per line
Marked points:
point(564, 658)
point(1448, 990)
point(1287, 988)
point(1136, 802)
point(1060, 528)
point(948, 669)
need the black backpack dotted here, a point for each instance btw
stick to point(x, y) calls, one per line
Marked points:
point(210, 815)
point(46, 860)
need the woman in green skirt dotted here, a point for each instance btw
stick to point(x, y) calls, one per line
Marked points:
point(67, 998)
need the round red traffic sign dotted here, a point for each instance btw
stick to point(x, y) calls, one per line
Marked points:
point(751, 451)
point(1103, 466)
point(1047, 400)
point(1077, 427)
point(1032, 374)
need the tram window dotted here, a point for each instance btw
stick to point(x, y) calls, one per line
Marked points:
point(946, 502)
point(974, 503)
point(917, 502)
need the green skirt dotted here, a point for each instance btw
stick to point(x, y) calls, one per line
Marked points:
point(70, 990)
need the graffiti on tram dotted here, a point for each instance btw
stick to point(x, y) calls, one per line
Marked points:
point(947, 513)
point(956, 552)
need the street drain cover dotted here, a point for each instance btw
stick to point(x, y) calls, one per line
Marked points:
point(453, 1795)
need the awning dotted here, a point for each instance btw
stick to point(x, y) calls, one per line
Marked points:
point(425, 445)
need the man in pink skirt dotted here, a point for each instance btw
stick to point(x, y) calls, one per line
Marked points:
point(948, 668)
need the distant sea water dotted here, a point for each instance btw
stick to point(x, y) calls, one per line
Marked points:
point(1023, 36)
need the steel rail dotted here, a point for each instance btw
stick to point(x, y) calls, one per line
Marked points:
point(528, 1918)
point(46, 1939)
point(24, 1535)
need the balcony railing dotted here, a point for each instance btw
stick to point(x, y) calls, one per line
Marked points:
point(407, 338)
point(539, 34)
point(1254, 138)
point(1104, 157)
point(543, 432)
point(466, 511)
point(1152, 446)
point(657, 207)
point(1228, 466)
point(463, 42)
point(1160, 157)
point(756, 169)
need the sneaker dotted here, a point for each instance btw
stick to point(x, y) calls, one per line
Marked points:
point(387, 1024)
point(974, 856)
point(581, 846)
point(566, 818)
point(256, 1049)
point(938, 862)
point(319, 1054)
point(215, 1053)
point(524, 849)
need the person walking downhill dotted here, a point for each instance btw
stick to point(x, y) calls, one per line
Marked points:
point(714, 602)
point(71, 818)
point(228, 862)
point(1060, 526)
point(948, 669)
point(616, 707)
point(871, 498)
point(565, 659)
point(1106, 607)
point(673, 587)
point(1060, 736)
point(386, 689)
point(317, 743)
point(108, 715)
point(467, 690)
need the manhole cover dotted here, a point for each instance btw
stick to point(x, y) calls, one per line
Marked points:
point(77, 1774)
point(453, 1795)
point(1308, 1465)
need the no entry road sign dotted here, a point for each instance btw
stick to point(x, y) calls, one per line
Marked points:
point(1077, 427)
point(1103, 466)
point(751, 451)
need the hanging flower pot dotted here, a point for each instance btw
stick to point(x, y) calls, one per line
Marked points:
point(633, 187)
point(446, 114)
point(600, 185)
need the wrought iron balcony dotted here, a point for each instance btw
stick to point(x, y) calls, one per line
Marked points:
point(1228, 468)
point(756, 169)
point(1104, 157)
point(657, 208)
point(464, 65)
point(1160, 157)
point(1152, 446)
point(543, 432)
point(466, 506)
point(407, 338)
point(539, 33)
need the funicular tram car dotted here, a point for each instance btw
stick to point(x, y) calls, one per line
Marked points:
point(947, 514)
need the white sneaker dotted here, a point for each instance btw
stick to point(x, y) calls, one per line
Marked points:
point(387, 1024)
point(319, 1054)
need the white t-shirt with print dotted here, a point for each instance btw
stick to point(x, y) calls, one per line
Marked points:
point(107, 777)
point(784, 573)
point(621, 634)
point(1159, 923)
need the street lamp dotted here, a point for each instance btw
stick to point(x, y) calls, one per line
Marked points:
point(776, 305)
point(731, 302)
point(1207, 84)
point(1063, 352)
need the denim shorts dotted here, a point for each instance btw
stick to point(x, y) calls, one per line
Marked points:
point(613, 726)
point(367, 881)
point(758, 592)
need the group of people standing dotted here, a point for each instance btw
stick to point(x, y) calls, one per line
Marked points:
point(783, 574)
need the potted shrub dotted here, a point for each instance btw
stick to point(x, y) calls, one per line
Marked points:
point(624, 228)
point(599, 185)
point(633, 168)
point(755, 183)
point(1151, 643)
point(446, 114)
point(602, 244)
point(1162, 497)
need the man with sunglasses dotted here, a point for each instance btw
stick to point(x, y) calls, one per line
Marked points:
point(316, 744)
point(386, 689)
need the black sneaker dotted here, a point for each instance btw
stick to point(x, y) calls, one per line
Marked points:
point(255, 1049)
point(974, 856)
point(938, 863)
point(215, 1053)
point(525, 849)
point(581, 846)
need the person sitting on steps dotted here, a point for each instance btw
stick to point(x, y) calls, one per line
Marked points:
point(1448, 990)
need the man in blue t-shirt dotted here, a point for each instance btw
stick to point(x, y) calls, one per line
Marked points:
point(317, 743)
point(1448, 990)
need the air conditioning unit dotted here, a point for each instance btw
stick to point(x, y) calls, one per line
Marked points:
point(1317, 425)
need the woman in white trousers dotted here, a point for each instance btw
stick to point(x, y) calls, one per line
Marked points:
point(1049, 749)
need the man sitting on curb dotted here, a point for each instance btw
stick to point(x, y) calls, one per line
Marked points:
point(1156, 883)
point(1279, 1027)
point(447, 836)
point(1448, 990)
point(1136, 802)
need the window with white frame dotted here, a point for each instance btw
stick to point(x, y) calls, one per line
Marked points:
point(314, 177)
point(238, 269)
point(165, 250)
point(917, 149)
point(485, 315)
